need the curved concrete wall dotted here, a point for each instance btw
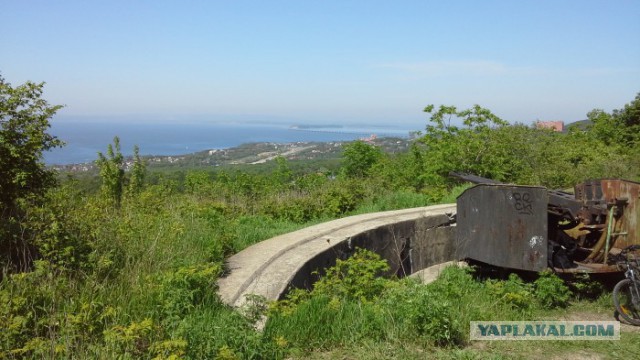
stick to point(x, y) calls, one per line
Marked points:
point(410, 240)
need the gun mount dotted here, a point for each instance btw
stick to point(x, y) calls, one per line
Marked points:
point(531, 227)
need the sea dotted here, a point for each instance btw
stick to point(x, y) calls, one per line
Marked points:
point(84, 139)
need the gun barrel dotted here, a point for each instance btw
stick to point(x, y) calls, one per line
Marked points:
point(473, 178)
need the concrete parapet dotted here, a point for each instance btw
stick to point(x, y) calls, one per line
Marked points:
point(410, 240)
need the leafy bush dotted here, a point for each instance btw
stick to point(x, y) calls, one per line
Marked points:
point(59, 233)
point(187, 287)
point(424, 312)
point(514, 292)
point(133, 339)
point(359, 158)
point(38, 320)
point(295, 207)
point(582, 286)
point(342, 196)
point(24, 179)
point(28, 305)
point(551, 291)
point(356, 278)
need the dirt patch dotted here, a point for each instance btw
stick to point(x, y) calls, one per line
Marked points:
point(597, 316)
point(579, 355)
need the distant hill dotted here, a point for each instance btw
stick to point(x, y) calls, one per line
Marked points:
point(580, 124)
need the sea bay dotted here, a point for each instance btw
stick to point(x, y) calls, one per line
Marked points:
point(84, 139)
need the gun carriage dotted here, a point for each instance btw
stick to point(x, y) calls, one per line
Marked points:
point(533, 228)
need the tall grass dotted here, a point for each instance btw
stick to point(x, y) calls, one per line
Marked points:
point(149, 277)
point(405, 199)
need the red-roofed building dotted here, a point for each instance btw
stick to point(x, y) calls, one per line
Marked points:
point(553, 125)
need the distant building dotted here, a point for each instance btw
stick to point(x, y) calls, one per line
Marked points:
point(553, 125)
point(369, 139)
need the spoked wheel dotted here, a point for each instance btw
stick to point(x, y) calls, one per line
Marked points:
point(623, 301)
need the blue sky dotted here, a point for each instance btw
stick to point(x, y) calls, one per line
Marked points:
point(324, 61)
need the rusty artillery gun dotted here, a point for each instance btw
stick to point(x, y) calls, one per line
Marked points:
point(532, 228)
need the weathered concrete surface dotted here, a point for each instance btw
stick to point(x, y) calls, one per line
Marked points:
point(409, 239)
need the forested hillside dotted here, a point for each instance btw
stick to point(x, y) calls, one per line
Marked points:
point(128, 270)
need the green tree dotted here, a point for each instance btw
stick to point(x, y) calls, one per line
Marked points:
point(614, 141)
point(485, 145)
point(138, 172)
point(24, 179)
point(359, 158)
point(112, 171)
point(283, 174)
point(620, 128)
point(470, 148)
point(629, 117)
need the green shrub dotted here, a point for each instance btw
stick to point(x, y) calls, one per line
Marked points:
point(39, 320)
point(583, 287)
point(294, 207)
point(356, 278)
point(418, 311)
point(513, 292)
point(133, 339)
point(59, 235)
point(342, 196)
point(359, 158)
point(551, 291)
point(28, 305)
point(187, 287)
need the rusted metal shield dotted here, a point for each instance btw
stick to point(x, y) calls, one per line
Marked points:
point(504, 225)
point(623, 193)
